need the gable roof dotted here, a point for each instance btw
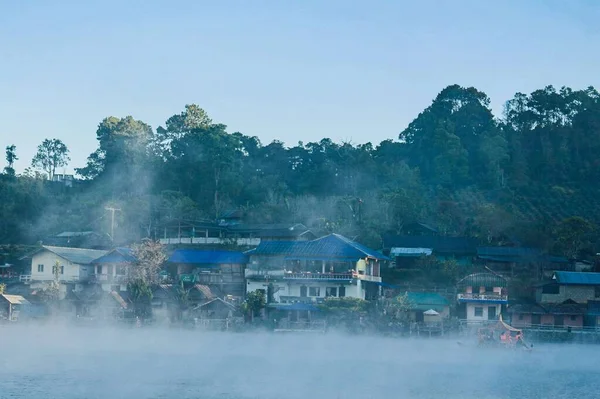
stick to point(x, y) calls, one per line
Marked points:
point(78, 256)
point(427, 300)
point(483, 280)
point(333, 246)
point(438, 244)
point(15, 299)
point(207, 257)
point(117, 255)
point(576, 278)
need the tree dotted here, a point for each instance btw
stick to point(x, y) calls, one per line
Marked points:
point(143, 275)
point(11, 157)
point(51, 154)
point(2, 288)
point(573, 235)
point(254, 303)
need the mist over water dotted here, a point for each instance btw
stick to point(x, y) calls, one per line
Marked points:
point(60, 362)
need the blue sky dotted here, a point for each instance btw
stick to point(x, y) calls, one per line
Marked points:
point(288, 70)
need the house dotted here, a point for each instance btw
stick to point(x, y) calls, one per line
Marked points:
point(481, 296)
point(422, 302)
point(579, 287)
point(222, 271)
point(111, 270)
point(405, 250)
point(511, 259)
point(566, 314)
point(75, 266)
point(230, 232)
point(11, 306)
point(310, 271)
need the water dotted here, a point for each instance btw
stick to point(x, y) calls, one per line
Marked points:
point(83, 363)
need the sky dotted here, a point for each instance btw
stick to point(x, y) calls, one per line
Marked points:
point(302, 70)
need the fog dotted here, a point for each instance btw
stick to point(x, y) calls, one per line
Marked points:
point(77, 362)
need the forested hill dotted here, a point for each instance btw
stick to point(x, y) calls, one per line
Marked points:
point(529, 176)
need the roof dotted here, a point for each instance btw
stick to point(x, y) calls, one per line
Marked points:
point(205, 290)
point(117, 255)
point(426, 300)
point(410, 252)
point(217, 300)
point(207, 257)
point(75, 255)
point(566, 308)
point(577, 278)
point(333, 246)
point(439, 244)
point(69, 234)
point(271, 230)
point(483, 280)
point(509, 254)
point(15, 299)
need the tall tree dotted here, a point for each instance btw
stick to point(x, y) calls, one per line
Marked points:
point(11, 157)
point(51, 154)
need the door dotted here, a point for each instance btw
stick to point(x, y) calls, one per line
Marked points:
point(492, 313)
point(303, 291)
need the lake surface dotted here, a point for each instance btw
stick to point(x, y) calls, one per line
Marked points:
point(60, 362)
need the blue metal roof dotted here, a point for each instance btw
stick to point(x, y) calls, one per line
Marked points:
point(203, 257)
point(577, 278)
point(117, 255)
point(333, 246)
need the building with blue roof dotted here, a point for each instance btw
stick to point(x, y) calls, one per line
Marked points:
point(310, 271)
point(222, 271)
point(111, 269)
point(579, 287)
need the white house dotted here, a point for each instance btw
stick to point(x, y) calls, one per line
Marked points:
point(481, 296)
point(74, 265)
point(302, 272)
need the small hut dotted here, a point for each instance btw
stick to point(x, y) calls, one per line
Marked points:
point(11, 306)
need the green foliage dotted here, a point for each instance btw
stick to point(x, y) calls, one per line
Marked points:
point(11, 157)
point(254, 303)
point(51, 154)
point(2, 288)
point(456, 166)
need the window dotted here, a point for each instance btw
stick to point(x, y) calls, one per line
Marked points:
point(62, 270)
point(98, 269)
point(559, 320)
point(552, 289)
point(489, 290)
point(478, 311)
point(536, 319)
point(314, 291)
point(597, 292)
point(303, 291)
point(40, 268)
point(342, 292)
point(521, 316)
point(573, 318)
point(331, 291)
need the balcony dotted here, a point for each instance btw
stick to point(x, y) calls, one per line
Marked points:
point(486, 297)
point(319, 276)
point(246, 242)
point(263, 274)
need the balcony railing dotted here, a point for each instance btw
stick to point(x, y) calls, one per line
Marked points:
point(318, 276)
point(465, 296)
point(263, 274)
point(210, 240)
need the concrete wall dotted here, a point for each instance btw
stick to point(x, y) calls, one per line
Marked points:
point(577, 293)
point(72, 271)
point(471, 311)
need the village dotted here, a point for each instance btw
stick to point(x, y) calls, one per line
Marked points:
point(230, 275)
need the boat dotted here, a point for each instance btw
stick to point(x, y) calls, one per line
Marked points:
point(501, 335)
